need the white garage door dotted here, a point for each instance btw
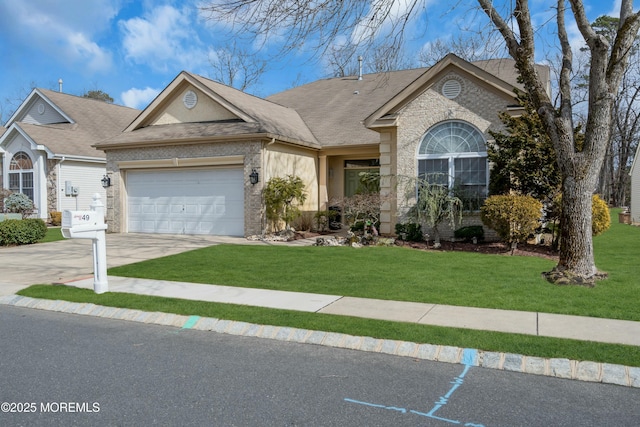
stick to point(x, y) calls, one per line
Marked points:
point(186, 202)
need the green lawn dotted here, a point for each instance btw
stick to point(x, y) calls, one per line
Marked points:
point(402, 274)
point(53, 234)
point(397, 273)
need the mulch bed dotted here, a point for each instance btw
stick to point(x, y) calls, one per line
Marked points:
point(496, 248)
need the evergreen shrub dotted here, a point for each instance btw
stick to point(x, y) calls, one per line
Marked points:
point(410, 231)
point(601, 219)
point(469, 232)
point(22, 231)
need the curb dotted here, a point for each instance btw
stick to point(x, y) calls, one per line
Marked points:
point(598, 372)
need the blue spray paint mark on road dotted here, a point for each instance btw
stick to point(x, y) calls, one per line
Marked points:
point(191, 321)
point(392, 408)
point(468, 360)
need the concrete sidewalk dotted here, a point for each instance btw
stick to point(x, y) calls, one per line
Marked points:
point(520, 322)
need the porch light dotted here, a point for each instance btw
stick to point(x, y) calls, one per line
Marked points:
point(254, 178)
point(106, 181)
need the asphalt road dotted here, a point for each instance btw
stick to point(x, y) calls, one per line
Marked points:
point(61, 369)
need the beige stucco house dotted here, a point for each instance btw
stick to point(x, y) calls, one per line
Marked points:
point(185, 164)
point(47, 153)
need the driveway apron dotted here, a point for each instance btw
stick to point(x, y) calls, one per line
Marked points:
point(66, 260)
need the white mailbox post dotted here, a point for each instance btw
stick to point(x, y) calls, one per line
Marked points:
point(90, 225)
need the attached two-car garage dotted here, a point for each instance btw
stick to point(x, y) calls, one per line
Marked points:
point(186, 201)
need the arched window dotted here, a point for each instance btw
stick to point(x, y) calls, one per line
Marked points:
point(21, 174)
point(454, 154)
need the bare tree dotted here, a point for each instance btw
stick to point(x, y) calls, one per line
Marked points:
point(379, 57)
point(614, 181)
point(317, 24)
point(470, 46)
point(9, 104)
point(236, 66)
point(340, 60)
point(580, 160)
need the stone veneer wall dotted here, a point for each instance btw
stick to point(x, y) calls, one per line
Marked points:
point(475, 105)
point(52, 185)
point(251, 150)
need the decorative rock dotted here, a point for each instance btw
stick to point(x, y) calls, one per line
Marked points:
point(327, 241)
point(386, 241)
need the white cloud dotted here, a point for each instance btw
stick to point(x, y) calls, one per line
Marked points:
point(96, 58)
point(61, 30)
point(383, 18)
point(139, 98)
point(164, 39)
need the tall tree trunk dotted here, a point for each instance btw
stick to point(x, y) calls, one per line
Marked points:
point(576, 264)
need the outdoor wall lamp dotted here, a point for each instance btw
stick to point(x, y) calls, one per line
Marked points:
point(106, 181)
point(254, 178)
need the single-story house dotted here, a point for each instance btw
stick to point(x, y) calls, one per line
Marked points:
point(47, 153)
point(189, 162)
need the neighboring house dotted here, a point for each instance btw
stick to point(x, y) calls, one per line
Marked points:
point(46, 150)
point(184, 165)
point(635, 189)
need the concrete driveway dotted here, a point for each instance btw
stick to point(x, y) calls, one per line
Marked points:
point(66, 260)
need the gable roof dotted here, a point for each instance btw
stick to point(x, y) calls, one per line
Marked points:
point(497, 84)
point(86, 121)
point(335, 108)
point(256, 118)
point(339, 110)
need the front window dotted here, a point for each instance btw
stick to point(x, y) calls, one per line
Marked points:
point(361, 176)
point(21, 174)
point(454, 154)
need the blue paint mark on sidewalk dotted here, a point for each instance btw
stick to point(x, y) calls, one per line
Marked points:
point(469, 357)
point(191, 321)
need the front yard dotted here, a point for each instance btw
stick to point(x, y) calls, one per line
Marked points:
point(455, 278)
point(400, 273)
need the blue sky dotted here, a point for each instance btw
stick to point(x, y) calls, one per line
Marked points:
point(131, 49)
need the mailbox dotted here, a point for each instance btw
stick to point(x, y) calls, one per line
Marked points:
point(90, 225)
point(82, 224)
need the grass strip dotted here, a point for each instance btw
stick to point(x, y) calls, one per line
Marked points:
point(484, 340)
point(53, 235)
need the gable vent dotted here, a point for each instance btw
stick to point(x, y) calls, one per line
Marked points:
point(451, 88)
point(190, 99)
